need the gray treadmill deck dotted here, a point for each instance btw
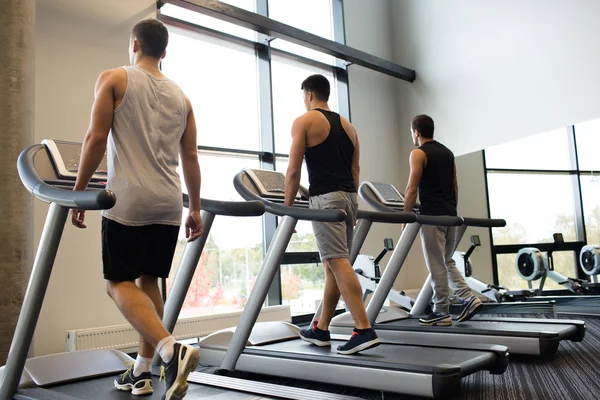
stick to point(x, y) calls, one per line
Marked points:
point(488, 327)
point(394, 357)
point(103, 388)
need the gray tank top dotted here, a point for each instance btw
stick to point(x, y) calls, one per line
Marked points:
point(143, 151)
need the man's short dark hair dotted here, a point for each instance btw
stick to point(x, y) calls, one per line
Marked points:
point(424, 124)
point(153, 37)
point(318, 85)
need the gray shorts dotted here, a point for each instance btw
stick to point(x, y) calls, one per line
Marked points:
point(334, 239)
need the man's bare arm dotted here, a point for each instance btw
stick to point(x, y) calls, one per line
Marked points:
point(356, 163)
point(455, 184)
point(94, 143)
point(188, 151)
point(417, 163)
point(294, 170)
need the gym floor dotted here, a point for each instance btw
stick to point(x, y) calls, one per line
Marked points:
point(572, 373)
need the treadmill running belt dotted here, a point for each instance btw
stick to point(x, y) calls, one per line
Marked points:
point(429, 360)
point(492, 328)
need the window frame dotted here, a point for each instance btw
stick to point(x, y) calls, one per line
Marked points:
point(580, 229)
point(267, 155)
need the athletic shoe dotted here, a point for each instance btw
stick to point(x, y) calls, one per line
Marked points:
point(359, 342)
point(436, 319)
point(137, 385)
point(472, 305)
point(175, 373)
point(317, 337)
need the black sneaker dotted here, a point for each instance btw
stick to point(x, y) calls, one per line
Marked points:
point(472, 306)
point(318, 338)
point(175, 373)
point(436, 319)
point(137, 385)
point(359, 342)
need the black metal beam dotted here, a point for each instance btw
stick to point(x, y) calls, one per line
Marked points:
point(532, 171)
point(544, 247)
point(301, 257)
point(275, 29)
point(187, 26)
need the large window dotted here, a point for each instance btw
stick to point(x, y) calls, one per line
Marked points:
point(221, 87)
point(288, 104)
point(535, 206)
point(234, 250)
point(314, 16)
point(542, 185)
point(245, 100)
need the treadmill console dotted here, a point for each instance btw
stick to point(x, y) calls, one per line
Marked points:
point(66, 156)
point(387, 194)
point(271, 185)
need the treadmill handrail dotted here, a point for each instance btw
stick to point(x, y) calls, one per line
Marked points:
point(84, 200)
point(439, 220)
point(229, 208)
point(484, 222)
point(395, 217)
point(280, 210)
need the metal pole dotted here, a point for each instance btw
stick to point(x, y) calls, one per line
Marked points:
point(392, 270)
point(423, 299)
point(34, 297)
point(257, 297)
point(247, 274)
point(183, 277)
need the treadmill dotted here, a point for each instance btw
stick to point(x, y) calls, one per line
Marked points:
point(48, 171)
point(275, 348)
point(520, 335)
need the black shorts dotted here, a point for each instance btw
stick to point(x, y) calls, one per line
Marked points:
point(129, 252)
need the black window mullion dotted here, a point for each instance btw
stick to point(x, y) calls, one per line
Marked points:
point(576, 184)
point(341, 74)
point(267, 132)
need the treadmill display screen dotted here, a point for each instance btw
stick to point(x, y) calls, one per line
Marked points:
point(270, 183)
point(388, 193)
point(67, 160)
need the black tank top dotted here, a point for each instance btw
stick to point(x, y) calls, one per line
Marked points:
point(329, 163)
point(436, 189)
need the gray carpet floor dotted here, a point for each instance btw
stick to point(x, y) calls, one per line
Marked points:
point(572, 373)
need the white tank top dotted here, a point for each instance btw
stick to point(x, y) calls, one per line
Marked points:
point(143, 151)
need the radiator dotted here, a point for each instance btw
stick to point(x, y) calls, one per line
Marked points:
point(124, 337)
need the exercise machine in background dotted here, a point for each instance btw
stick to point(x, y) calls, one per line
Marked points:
point(369, 275)
point(532, 265)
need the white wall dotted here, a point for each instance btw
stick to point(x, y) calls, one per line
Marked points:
point(374, 104)
point(493, 71)
point(75, 41)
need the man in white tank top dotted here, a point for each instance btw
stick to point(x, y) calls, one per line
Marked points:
point(145, 123)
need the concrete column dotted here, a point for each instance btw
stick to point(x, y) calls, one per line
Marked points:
point(16, 132)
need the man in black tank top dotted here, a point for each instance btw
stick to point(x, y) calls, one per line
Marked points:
point(329, 144)
point(433, 174)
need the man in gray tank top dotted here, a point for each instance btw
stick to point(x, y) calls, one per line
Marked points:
point(146, 123)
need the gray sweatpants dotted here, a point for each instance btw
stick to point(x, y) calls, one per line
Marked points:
point(439, 243)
